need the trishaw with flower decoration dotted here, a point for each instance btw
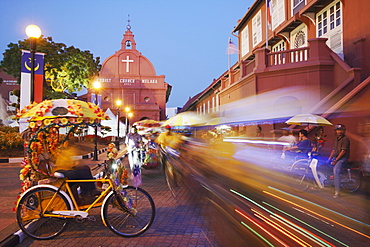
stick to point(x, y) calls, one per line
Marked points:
point(48, 201)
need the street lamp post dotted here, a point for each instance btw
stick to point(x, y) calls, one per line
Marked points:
point(130, 114)
point(96, 85)
point(118, 103)
point(33, 32)
point(127, 110)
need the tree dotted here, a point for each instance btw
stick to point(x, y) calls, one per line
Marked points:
point(66, 66)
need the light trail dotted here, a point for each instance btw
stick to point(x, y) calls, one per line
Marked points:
point(263, 229)
point(305, 223)
point(257, 234)
point(340, 224)
point(345, 216)
point(302, 231)
point(281, 229)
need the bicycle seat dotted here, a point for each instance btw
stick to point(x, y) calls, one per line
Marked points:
point(58, 175)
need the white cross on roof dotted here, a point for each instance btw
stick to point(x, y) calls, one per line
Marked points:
point(128, 61)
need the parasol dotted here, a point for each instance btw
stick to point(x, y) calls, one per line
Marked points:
point(302, 119)
point(62, 108)
point(217, 121)
point(186, 119)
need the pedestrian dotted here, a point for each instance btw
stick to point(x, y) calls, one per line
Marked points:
point(259, 133)
point(133, 142)
point(339, 155)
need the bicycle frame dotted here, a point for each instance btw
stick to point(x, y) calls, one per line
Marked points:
point(81, 210)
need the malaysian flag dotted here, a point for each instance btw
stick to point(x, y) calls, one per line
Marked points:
point(269, 13)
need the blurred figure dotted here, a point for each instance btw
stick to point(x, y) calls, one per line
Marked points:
point(112, 151)
point(339, 155)
point(133, 142)
point(287, 136)
point(70, 168)
point(169, 139)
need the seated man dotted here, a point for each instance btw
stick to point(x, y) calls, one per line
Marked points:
point(302, 148)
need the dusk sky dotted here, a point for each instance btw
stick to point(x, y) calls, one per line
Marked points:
point(186, 40)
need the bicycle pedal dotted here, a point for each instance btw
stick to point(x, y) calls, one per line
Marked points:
point(91, 218)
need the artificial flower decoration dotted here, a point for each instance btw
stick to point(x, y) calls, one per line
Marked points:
point(47, 121)
point(62, 108)
point(25, 109)
point(64, 121)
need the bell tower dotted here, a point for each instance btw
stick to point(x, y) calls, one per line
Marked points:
point(128, 41)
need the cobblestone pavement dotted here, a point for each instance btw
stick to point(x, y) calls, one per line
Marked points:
point(178, 222)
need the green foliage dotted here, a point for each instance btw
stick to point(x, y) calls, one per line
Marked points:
point(68, 65)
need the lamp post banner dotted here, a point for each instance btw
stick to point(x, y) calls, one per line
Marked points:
point(95, 99)
point(26, 67)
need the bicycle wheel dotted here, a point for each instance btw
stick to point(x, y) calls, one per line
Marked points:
point(30, 218)
point(129, 213)
point(351, 183)
point(299, 176)
point(171, 177)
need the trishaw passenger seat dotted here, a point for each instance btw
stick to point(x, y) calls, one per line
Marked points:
point(58, 175)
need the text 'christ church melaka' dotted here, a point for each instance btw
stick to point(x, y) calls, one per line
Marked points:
point(130, 77)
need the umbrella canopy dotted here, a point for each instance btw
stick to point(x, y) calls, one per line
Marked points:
point(302, 119)
point(217, 121)
point(186, 119)
point(62, 108)
point(148, 123)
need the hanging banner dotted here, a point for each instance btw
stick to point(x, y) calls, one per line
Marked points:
point(25, 89)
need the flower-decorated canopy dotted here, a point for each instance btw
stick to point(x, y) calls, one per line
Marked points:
point(43, 137)
point(62, 108)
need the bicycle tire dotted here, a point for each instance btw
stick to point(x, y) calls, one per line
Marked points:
point(126, 220)
point(171, 177)
point(299, 172)
point(351, 184)
point(29, 216)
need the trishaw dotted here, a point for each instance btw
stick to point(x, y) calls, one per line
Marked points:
point(48, 201)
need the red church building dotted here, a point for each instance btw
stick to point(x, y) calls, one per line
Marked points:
point(129, 76)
